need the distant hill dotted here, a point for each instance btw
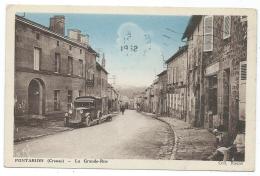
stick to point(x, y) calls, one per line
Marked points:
point(130, 91)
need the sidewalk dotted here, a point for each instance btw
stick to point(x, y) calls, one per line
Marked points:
point(29, 130)
point(190, 143)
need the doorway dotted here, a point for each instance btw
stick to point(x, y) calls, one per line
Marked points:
point(226, 97)
point(212, 99)
point(36, 97)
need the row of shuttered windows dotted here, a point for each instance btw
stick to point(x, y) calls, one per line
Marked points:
point(175, 101)
point(57, 62)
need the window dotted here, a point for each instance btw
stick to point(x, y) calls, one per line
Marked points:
point(58, 43)
point(208, 33)
point(80, 67)
point(80, 93)
point(91, 75)
point(80, 51)
point(56, 100)
point(70, 47)
point(37, 35)
point(226, 27)
point(69, 96)
point(69, 99)
point(70, 65)
point(57, 62)
point(36, 58)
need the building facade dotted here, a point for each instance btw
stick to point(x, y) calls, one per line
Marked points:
point(50, 69)
point(101, 87)
point(162, 82)
point(221, 43)
point(113, 99)
point(225, 72)
point(193, 35)
point(177, 83)
point(155, 98)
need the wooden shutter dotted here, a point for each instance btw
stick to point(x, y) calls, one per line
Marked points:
point(36, 64)
point(226, 27)
point(208, 33)
point(242, 89)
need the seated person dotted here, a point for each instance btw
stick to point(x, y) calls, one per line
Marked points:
point(239, 142)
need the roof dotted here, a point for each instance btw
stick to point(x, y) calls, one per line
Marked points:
point(57, 35)
point(179, 52)
point(156, 81)
point(193, 22)
point(162, 73)
point(100, 67)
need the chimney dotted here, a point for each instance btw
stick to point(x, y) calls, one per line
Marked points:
point(84, 39)
point(75, 34)
point(57, 24)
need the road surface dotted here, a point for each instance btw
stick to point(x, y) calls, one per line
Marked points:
point(129, 136)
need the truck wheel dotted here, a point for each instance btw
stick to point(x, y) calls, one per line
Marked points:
point(108, 119)
point(99, 118)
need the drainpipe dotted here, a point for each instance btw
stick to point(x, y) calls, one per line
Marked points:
point(201, 123)
point(187, 80)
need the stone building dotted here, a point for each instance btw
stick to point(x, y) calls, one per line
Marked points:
point(162, 82)
point(101, 86)
point(222, 53)
point(155, 97)
point(193, 35)
point(148, 99)
point(225, 72)
point(113, 99)
point(139, 100)
point(50, 68)
point(177, 83)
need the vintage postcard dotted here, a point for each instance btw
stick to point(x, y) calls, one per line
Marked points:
point(130, 88)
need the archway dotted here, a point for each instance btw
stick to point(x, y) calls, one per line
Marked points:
point(36, 97)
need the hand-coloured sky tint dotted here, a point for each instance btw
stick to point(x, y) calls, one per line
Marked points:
point(135, 46)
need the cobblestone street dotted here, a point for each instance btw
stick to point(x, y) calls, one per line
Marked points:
point(191, 143)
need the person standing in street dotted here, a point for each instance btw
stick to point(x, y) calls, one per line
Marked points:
point(122, 109)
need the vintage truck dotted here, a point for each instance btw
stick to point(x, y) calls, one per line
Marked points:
point(85, 111)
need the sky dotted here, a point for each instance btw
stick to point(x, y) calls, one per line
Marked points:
point(135, 46)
